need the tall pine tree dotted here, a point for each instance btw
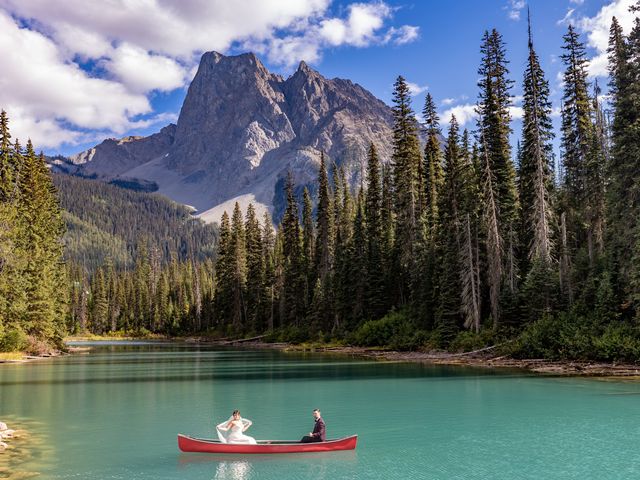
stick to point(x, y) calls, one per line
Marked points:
point(447, 319)
point(576, 150)
point(255, 269)
point(223, 274)
point(292, 301)
point(623, 193)
point(500, 195)
point(406, 161)
point(42, 229)
point(376, 292)
point(536, 187)
point(238, 269)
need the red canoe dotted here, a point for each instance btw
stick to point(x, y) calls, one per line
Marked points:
point(190, 444)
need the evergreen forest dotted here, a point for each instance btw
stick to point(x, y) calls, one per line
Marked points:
point(451, 244)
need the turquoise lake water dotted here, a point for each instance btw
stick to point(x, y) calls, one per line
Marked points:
point(115, 413)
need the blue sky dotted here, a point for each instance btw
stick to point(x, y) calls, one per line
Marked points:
point(96, 70)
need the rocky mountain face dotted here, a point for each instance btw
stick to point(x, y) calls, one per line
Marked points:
point(114, 157)
point(240, 129)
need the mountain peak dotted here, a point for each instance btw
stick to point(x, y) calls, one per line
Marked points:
point(214, 58)
point(211, 57)
point(306, 69)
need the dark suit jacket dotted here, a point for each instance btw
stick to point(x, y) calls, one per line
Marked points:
point(319, 430)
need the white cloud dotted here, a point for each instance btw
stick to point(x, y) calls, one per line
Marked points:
point(142, 46)
point(142, 72)
point(402, 35)
point(516, 112)
point(44, 133)
point(362, 27)
point(514, 7)
point(364, 20)
point(289, 50)
point(599, 65)
point(333, 30)
point(466, 113)
point(37, 82)
point(172, 28)
point(463, 113)
point(452, 100)
point(415, 89)
point(74, 40)
point(568, 18)
point(159, 119)
point(597, 30)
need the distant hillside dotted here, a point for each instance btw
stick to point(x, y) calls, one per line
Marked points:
point(108, 221)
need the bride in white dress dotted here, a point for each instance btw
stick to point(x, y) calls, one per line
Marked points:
point(232, 431)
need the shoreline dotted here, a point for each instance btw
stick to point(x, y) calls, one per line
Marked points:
point(22, 357)
point(480, 359)
point(568, 368)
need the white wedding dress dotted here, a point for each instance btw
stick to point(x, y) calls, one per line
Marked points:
point(234, 432)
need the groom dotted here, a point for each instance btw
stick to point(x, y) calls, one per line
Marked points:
point(318, 434)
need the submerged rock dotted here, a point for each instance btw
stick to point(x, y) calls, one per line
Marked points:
point(5, 433)
point(19, 452)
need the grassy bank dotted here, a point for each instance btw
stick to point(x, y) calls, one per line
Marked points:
point(11, 356)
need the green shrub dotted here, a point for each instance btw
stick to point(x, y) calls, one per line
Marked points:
point(394, 330)
point(568, 336)
point(142, 332)
point(618, 343)
point(467, 341)
point(14, 340)
point(290, 334)
point(378, 333)
point(552, 337)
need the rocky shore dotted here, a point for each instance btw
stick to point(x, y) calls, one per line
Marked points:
point(20, 357)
